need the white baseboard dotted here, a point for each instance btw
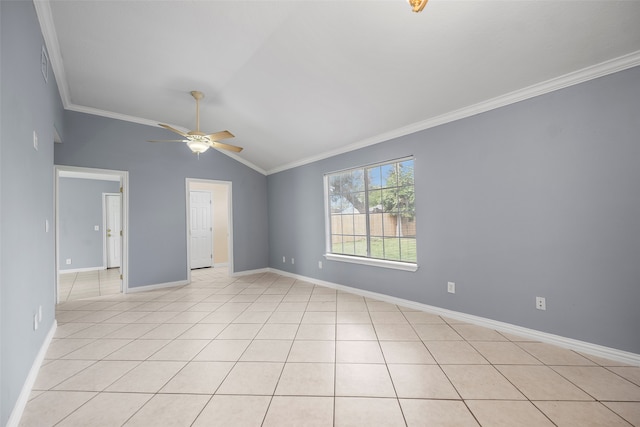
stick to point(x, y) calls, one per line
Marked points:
point(569, 343)
point(157, 286)
point(21, 403)
point(82, 270)
point(249, 272)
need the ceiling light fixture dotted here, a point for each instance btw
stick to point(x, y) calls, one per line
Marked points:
point(197, 145)
point(418, 5)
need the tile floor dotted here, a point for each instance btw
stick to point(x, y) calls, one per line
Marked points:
point(88, 284)
point(266, 350)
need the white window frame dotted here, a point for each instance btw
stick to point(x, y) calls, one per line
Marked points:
point(362, 260)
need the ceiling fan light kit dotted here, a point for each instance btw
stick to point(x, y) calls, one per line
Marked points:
point(417, 5)
point(199, 142)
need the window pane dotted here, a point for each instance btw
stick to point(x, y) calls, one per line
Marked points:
point(375, 177)
point(390, 200)
point(375, 201)
point(336, 244)
point(360, 225)
point(377, 247)
point(392, 249)
point(360, 248)
point(336, 224)
point(348, 245)
point(408, 250)
point(375, 225)
point(388, 175)
point(406, 172)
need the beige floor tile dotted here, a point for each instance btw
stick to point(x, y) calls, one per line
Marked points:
point(180, 350)
point(631, 373)
point(363, 380)
point(481, 382)
point(295, 411)
point(267, 351)
point(132, 331)
point(68, 329)
point(203, 331)
point(478, 333)
point(52, 406)
point(630, 411)
point(504, 353)
point(358, 352)
point(106, 409)
point(138, 350)
point(58, 371)
point(190, 317)
point(291, 317)
point(62, 347)
point(254, 378)
point(352, 317)
point(277, 331)
point(98, 376)
point(406, 352)
point(380, 306)
point(356, 411)
point(388, 317)
point(421, 382)
point(239, 331)
point(437, 413)
point(158, 317)
point(206, 307)
point(319, 317)
point(259, 317)
point(395, 332)
point(355, 332)
point(147, 377)
point(220, 317)
point(600, 383)
point(98, 349)
point(313, 351)
point(237, 411)
point(169, 410)
point(167, 331)
point(552, 355)
point(435, 332)
point(223, 351)
point(321, 305)
point(455, 353)
point(583, 414)
point(352, 306)
point(316, 332)
point(99, 330)
point(418, 317)
point(126, 317)
point(542, 383)
point(234, 307)
point(306, 379)
point(198, 377)
point(508, 413)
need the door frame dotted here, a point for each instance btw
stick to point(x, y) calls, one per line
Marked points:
point(229, 185)
point(105, 257)
point(92, 173)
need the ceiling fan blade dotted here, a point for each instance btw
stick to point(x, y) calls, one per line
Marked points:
point(172, 129)
point(167, 140)
point(220, 135)
point(233, 148)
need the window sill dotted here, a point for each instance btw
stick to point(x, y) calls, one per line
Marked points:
point(404, 266)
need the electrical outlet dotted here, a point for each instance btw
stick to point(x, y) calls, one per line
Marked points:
point(284, 259)
point(451, 287)
point(293, 261)
point(541, 303)
point(68, 261)
point(96, 228)
point(35, 322)
point(320, 265)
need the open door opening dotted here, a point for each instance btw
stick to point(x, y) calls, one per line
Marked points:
point(91, 232)
point(209, 230)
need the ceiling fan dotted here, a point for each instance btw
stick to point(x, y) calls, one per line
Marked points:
point(197, 141)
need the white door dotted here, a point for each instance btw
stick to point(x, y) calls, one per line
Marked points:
point(114, 240)
point(201, 231)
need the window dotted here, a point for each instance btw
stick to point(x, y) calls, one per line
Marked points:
point(371, 215)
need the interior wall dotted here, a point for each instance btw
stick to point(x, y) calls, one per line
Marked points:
point(539, 198)
point(157, 173)
point(27, 264)
point(79, 210)
point(219, 219)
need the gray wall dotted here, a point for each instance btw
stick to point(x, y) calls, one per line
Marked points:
point(539, 198)
point(157, 200)
point(27, 270)
point(79, 210)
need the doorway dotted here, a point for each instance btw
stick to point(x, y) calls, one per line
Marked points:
point(91, 208)
point(209, 224)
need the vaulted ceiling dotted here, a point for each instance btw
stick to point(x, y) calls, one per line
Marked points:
point(298, 80)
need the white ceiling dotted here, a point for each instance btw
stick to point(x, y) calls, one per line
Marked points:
point(298, 80)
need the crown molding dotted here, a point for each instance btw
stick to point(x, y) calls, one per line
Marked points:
point(589, 73)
